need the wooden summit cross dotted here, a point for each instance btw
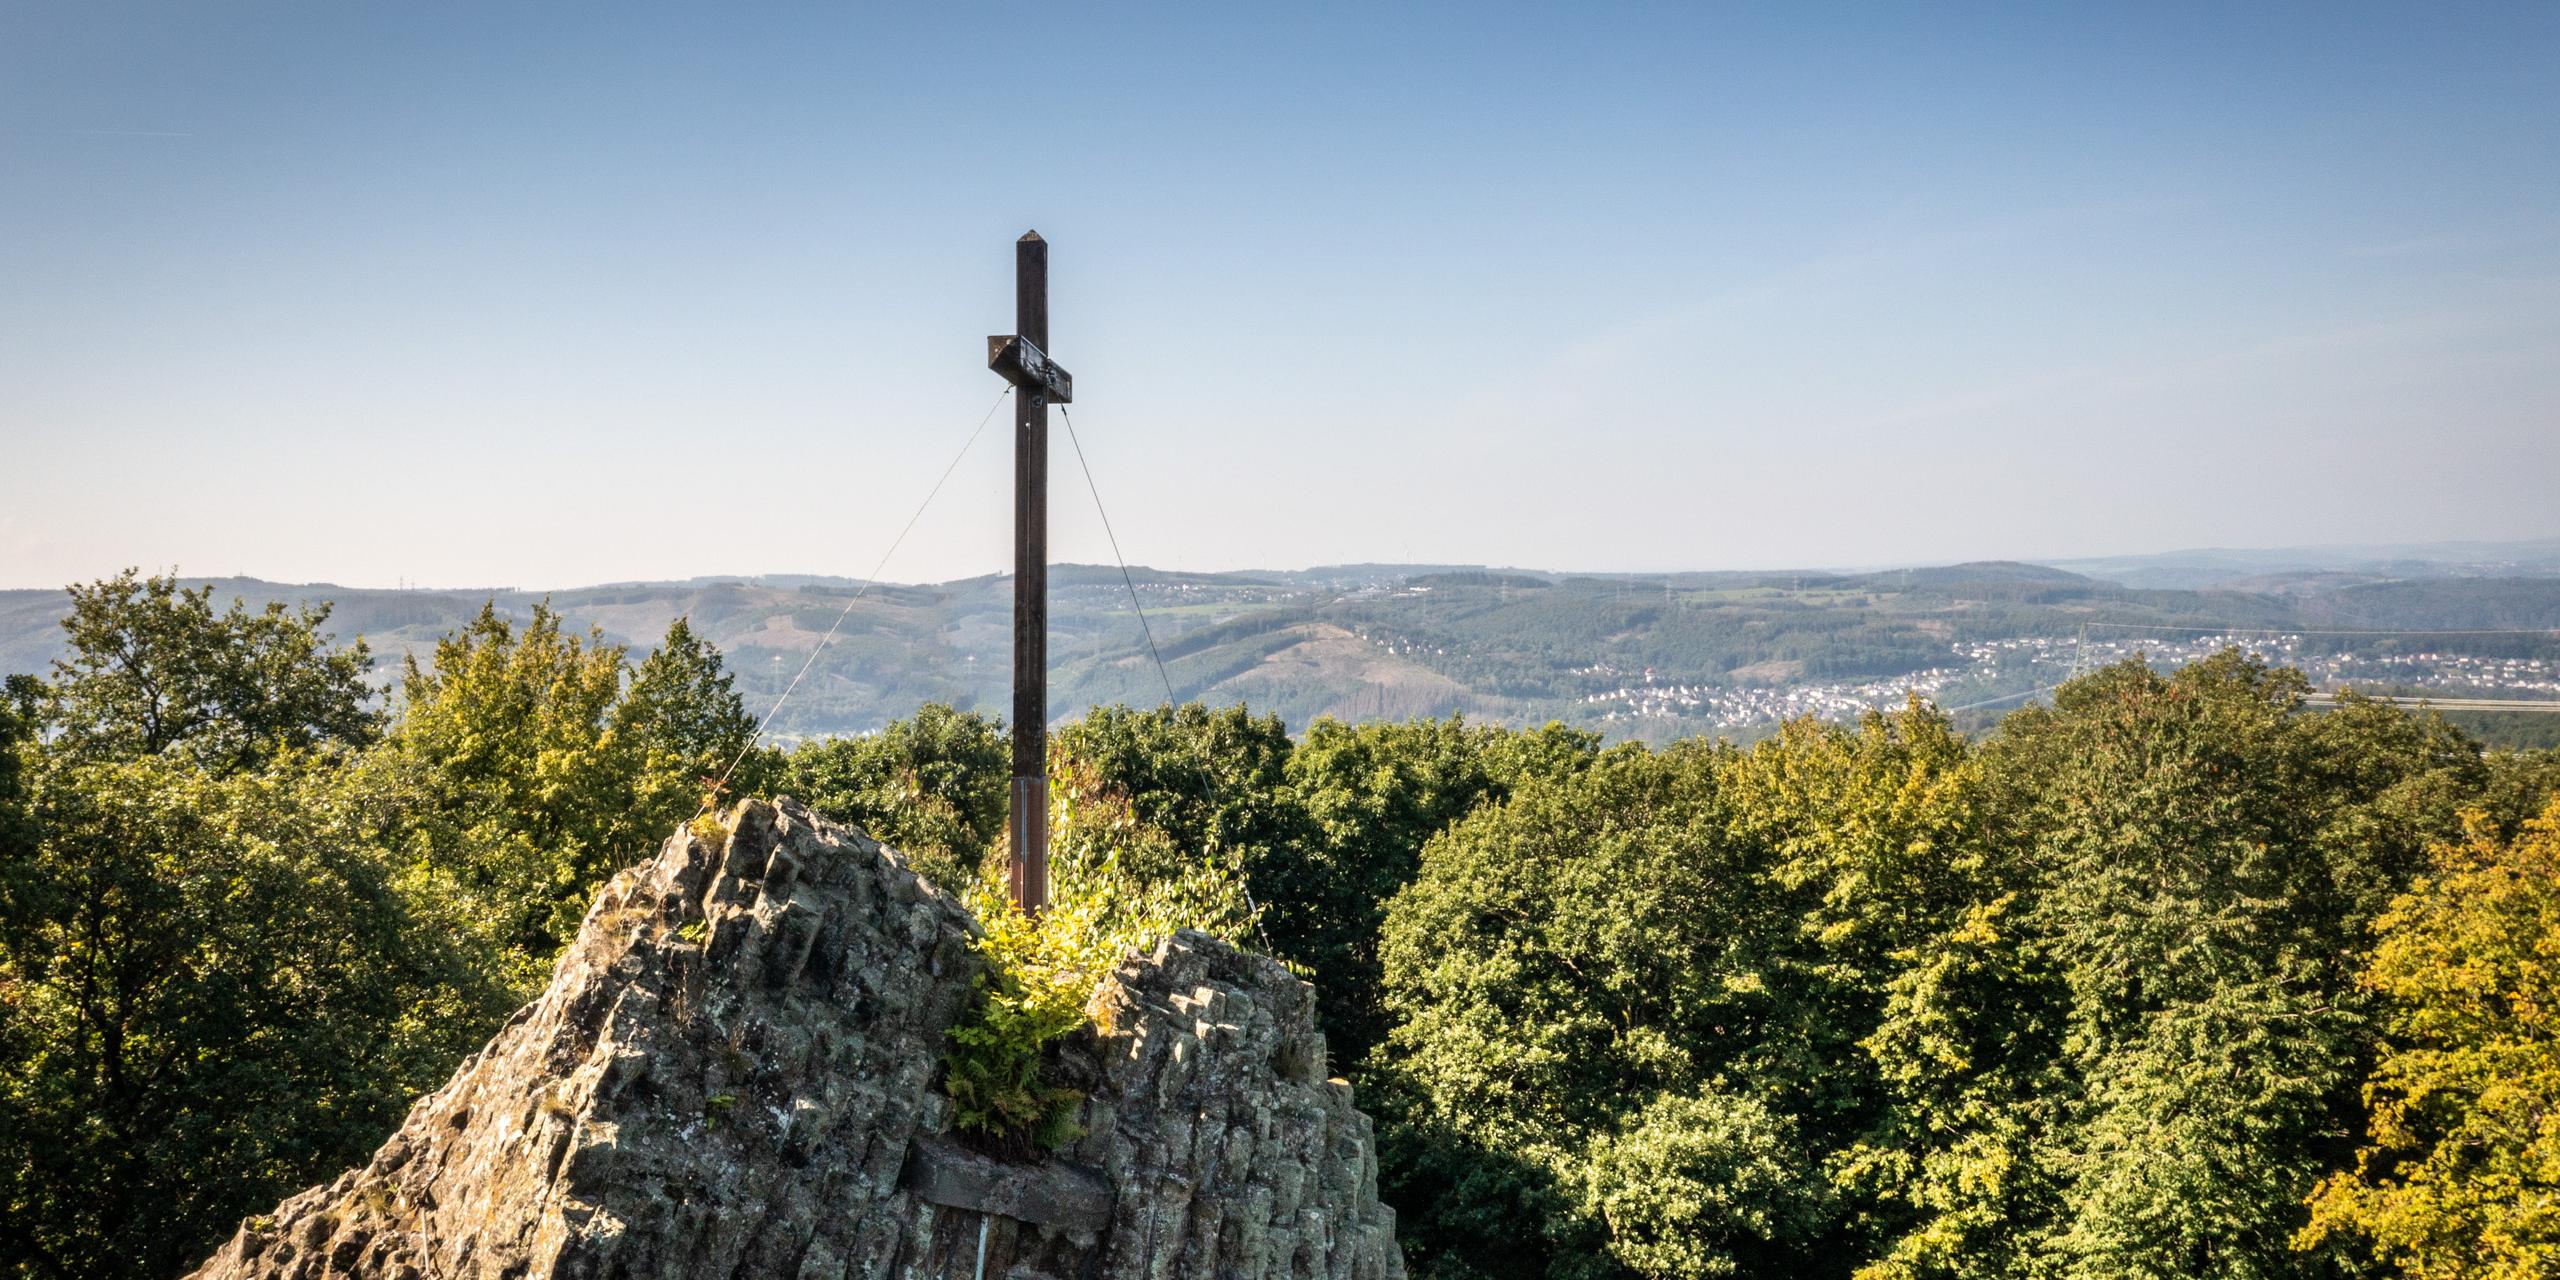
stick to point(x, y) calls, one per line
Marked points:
point(1036, 381)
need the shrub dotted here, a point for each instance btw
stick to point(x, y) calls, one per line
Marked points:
point(1118, 886)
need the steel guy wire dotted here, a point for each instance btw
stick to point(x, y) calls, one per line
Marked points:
point(1123, 561)
point(1208, 773)
point(868, 582)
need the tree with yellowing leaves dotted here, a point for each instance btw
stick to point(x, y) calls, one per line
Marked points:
point(2462, 1179)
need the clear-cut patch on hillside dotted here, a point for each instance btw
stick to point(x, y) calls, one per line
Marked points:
point(732, 1074)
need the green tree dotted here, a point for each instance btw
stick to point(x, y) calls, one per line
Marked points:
point(1937, 1028)
point(2208, 861)
point(2459, 1181)
point(211, 986)
point(2518, 785)
point(1678, 1183)
point(154, 669)
point(233, 946)
point(213, 994)
point(1209, 778)
point(1948, 1180)
point(18, 701)
point(1371, 795)
point(2079, 1003)
point(1582, 982)
point(933, 786)
point(516, 790)
point(686, 727)
point(525, 767)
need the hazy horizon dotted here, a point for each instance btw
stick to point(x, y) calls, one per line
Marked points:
point(484, 293)
point(2437, 551)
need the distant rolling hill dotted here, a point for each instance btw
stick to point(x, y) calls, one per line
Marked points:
point(2245, 567)
point(1635, 654)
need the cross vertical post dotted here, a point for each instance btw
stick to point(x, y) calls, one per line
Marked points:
point(1036, 381)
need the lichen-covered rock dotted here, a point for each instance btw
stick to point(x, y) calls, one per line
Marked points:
point(732, 1074)
point(1229, 1152)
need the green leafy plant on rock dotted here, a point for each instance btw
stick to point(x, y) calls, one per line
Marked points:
point(1118, 886)
point(997, 1072)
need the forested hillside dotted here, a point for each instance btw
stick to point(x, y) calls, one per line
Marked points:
point(1652, 658)
point(2173, 977)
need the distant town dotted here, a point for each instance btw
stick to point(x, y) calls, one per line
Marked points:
point(1987, 673)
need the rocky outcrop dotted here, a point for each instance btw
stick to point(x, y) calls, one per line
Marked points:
point(732, 1074)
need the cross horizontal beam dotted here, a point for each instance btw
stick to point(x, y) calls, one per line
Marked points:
point(1027, 367)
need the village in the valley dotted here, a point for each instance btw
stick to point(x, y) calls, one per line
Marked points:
point(1999, 672)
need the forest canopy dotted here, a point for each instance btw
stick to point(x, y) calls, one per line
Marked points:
point(2176, 976)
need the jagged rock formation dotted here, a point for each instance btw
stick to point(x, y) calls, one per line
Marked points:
point(732, 1074)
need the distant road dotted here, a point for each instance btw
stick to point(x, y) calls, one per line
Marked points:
point(2444, 704)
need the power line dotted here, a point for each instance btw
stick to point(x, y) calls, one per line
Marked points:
point(847, 611)
point(1130, 582)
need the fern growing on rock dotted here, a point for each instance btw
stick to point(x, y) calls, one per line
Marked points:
point(1118, 886)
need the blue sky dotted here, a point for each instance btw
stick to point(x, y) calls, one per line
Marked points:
point(549, 294)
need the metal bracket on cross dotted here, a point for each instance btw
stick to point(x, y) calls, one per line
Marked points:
point(1029, 368)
